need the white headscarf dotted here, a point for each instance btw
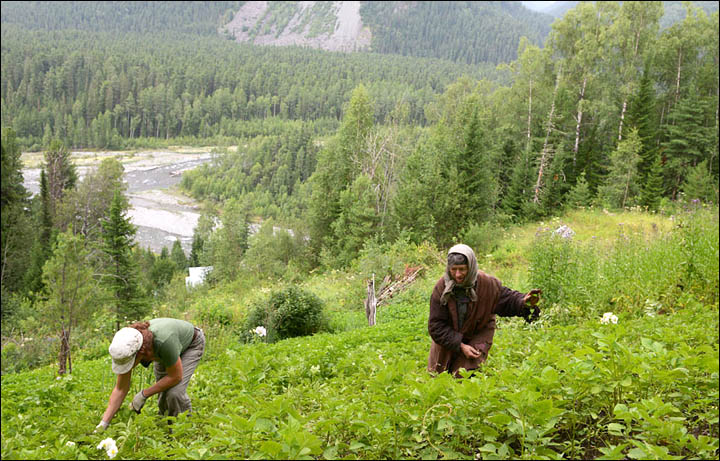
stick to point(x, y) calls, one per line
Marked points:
point(471, 278)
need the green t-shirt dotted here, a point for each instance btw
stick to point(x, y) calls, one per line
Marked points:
point(170, 338)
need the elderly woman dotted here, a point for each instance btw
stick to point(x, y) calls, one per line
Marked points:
point(463, 306)
point(175, 346)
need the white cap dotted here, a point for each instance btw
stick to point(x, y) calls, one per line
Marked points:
point(124, 347)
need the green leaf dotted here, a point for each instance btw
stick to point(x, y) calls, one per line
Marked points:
point(499, 419)
point(616, 428)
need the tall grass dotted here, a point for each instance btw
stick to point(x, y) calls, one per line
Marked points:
point(634, 272)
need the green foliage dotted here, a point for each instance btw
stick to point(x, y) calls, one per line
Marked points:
point(392, 259)
point(287, 313)
point(700, 184)
point(689, 139)
point(16, 223)
point(579, 195)
point(177, 255)
point(582, 278)
point(164, 87)
point(566, 386)
point(275, 252)
point(621, 185)
point(229, 242)
point(460, 31)
point(121, 275)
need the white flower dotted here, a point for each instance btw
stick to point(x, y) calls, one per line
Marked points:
point(112, 451)
point(608, 317)
point(107, 444)
point(70, 443)
point(315, 369)
point(260, 331)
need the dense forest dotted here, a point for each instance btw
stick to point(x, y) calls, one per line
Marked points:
point(102, 90)
point(358, 167)
point(348, 151)
point(471, 32)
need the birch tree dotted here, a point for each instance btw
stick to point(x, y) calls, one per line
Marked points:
point(633, 31)
point(71, 291)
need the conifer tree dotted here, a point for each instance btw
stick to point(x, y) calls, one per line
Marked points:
point(120, 272)
point(177, 254)
point(478, 190)
point(42, 247)
point(196, 250)
point(621, 185)
point(688, 139)
point(520, 189)
point(700, 184)
point(642, 115)
point(579, 195)
point(338, 164)
point(652, 190)
point(230, 241)
point(16, 225)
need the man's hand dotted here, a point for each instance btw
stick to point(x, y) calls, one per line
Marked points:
point(101, 427)
point(532, 299)
point(469, 351)
point(138, 401)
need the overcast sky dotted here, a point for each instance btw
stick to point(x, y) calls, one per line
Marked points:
point(537, 6)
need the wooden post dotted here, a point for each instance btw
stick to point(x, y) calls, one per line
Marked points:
point(371, 302)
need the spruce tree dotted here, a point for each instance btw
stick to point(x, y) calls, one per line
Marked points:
point(177, 254)
point(652, 190)
point(621, 186)
point(478, 190)
point(519, 191)
point(580, 194)
point(700, 184)
point(688, 139)
point(642, 115)
point(42, 246)
point(120, 273)
point(196, 250)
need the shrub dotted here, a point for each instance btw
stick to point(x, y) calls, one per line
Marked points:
point(286, 314)
point(564, 270)
point(482, 238)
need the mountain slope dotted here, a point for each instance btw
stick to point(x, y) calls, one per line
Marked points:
point(470, 32)
point(333, 26)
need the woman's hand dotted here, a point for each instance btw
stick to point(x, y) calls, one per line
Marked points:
point(532, 298)
point(469, 351)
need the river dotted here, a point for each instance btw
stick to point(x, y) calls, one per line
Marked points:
point(161, 213)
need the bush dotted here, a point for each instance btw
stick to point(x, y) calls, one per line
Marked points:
point(288, 313)
point(564, 270)
point(482, 238)
point(391, 259)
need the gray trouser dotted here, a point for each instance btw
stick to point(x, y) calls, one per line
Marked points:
point(175, 400)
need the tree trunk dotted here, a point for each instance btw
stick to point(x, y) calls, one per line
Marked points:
point(544, 154)
point(64, 355)
point(677, 80)
point(371, 302)
point(579, 121)
point(529, 138)
point(622, 118)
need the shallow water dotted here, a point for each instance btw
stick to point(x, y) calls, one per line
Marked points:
point(157, 208)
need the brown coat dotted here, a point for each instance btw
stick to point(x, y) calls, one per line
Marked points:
point(479, 326)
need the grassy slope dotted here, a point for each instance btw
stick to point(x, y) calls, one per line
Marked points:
point(646, 387)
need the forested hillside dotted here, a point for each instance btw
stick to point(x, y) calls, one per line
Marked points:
point(471, 32)
point(94, 89)
point(190, 17)
point(586, 167)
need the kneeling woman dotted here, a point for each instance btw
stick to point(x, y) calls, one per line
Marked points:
point(176, 348)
